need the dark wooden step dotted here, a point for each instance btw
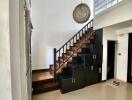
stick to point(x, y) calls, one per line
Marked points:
point(45, 87)
point(39, 71)
point(41, 82)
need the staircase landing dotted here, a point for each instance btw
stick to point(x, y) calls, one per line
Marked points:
point(43, 81)
point(41, 75)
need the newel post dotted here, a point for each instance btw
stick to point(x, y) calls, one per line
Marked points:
point(54, 63)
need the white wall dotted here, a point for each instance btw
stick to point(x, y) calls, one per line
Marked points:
point(118, 32)
point(116, 20)
point(108, 34)
point(116, 14)
point(53, 26)
point(5, 72)
point(122, 60)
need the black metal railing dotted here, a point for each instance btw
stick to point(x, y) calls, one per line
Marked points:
point(63, 49)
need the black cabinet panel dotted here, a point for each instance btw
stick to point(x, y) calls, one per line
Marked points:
point(98, 47)
point(67, 85)
point(129, 75)
point(85, 68)
point(92, 75)
point(79, 78)
point(87, 59)
point(88, 75)
point(75, 82)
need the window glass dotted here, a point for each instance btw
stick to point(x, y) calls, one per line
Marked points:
point(101, 5)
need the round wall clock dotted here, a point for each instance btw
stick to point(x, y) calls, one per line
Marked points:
point(81, 13)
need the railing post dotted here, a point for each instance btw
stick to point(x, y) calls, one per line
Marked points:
point(55, 64)
point(79, 35)
point(73, 41)
point(63, 49)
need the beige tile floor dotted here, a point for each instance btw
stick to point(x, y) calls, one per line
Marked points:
point(100, 91)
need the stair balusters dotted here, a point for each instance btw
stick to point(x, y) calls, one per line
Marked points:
point(87, 29)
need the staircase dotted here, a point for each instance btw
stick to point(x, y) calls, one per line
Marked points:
point(66, 56)
point(78, 44)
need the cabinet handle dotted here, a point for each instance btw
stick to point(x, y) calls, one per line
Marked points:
point(95, 57)
point(100, 71)
point(74, 80)
point(92, 67)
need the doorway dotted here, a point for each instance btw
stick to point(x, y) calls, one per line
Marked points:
point(129, 75)
point(110, 59)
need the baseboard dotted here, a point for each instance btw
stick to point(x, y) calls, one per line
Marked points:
point(40, 70)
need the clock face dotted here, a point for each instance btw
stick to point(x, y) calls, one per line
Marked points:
point(81, 13)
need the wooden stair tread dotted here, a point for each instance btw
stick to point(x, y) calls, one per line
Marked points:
point(41, 76)
point(42, 82)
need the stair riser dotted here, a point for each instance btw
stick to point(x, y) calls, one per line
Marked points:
point(38, 83)
point(38, 91)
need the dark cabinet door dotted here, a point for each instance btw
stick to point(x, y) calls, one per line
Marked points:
point(79, 78)
point(92, 75)
point(129, 75)
point(87, 59)
point(93, 72)
point(98, 47)
point(89, 75)
point(77, 81)
point(67, 85)
point(98, 54)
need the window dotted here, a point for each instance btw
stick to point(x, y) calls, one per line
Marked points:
point(101, 5)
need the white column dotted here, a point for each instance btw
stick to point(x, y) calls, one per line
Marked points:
point(5, 67)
